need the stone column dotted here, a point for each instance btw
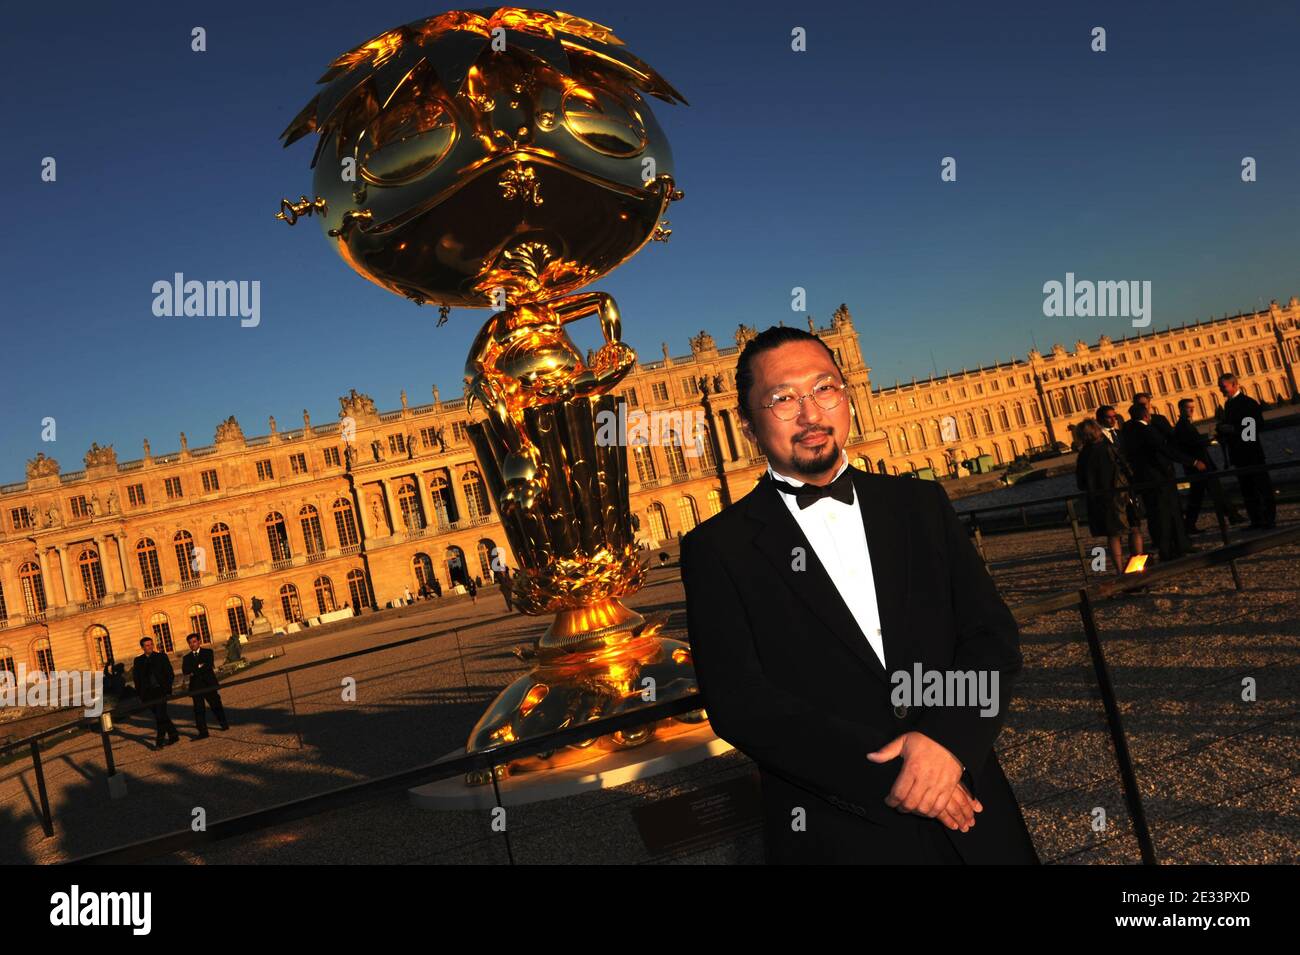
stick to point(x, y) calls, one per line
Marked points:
point(123, 563)
point(61, 551)
point(111, 586)
point(458, 496)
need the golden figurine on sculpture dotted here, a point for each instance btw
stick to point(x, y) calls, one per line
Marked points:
point(505, 158)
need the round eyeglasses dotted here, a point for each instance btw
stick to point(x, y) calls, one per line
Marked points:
point(785, 404)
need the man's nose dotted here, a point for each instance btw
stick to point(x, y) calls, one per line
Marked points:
point(809, 411)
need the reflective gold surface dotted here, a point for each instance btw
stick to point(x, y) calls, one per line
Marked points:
point(506, 158)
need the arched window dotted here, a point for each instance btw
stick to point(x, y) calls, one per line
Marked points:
point(645, 462)
point(223, 549)
point(236, 617)
point(324, 595)
point(43, 654)
point(1036, 412)
point(1003, 418)
point(485, 548)
point(33, 585)
point(457, 572)
point(198, 615)
point(185, 562)
point(92, 574)
point(408, 499)
point(444, 502)
point(358, 589)
point(658, 521)
point(345, 522)
point(101, 647)
point(290, 605)
point(162, 632)
point(476, 499)
point(7, 661)
point(673, 451)
point(704, 446)
point(150, 574)
point(715, 499)
point(986, 420)
point(309, 518)
point(423, 567)
point(278, 537)
point(970, 423)
point(1020, 415)
point(688, 514)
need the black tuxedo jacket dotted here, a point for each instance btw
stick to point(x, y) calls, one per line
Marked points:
point(1232, 425)
point(199, 668)
point(789, 679)
point(1150, 455)
point(153, 675)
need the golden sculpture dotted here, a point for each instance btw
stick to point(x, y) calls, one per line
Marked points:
point(505, 158)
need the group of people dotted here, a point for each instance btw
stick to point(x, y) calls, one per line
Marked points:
point(431, 588)
point(1145, 449)
point(154, 676)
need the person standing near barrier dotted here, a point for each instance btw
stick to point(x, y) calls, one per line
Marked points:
point(1241, 422)
point(1112, 512)
point(1195, 445)
point(153, 676)
point(503, 580)
point(198, 666)
point(1153, 459)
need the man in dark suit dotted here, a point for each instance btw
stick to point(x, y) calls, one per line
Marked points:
point(1241, 423)
point(812, 601)
point(1152, 458)
point(1195, 445)
point(1157, 420)
point(198, 666)
point(153, 676)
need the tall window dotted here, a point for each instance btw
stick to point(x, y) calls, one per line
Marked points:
point(44, 656)
point(33, 584)
point(21, 518)
point(476, 499)
point(147, 554)
point(332, 457)
point(264, 472)
point(92, 574)
point(358, 590)
point(311, 533)
point(183, 542)
point(162, 632)
point(673, 450)
point(7, 660)
point(101, 646)
point(444, 505)
point(324, 595)
point(198, 615)
point(236, 617)
point(290, 604)
point(485, 548)
point(210, 482)
point(345, 522)
point(173, 487)
point(298, 463)
point(715, 499)
point(645, 462)
point(135, 495)
point(687, 513)
point(704, 447)
point(278, 536)
point(80, 508)
point(4, 607)
point(223, 549)
point(423, 567)
point(397, 443)
point(408, 498)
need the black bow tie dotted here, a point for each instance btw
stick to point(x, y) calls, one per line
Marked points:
point(808, 494)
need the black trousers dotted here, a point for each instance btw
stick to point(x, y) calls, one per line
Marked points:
point(1197, 494)
point(1257, 495)
point(213, 699)
point(165, 725)
point(1166, 530)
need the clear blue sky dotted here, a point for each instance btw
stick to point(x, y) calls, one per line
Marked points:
point(818, 169)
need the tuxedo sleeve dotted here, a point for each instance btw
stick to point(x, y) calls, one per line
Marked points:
point(785, 733)
point(987, 640)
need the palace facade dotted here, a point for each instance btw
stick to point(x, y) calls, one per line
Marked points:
point(302, 523)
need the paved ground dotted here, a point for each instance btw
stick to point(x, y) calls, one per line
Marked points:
point(1219, 775)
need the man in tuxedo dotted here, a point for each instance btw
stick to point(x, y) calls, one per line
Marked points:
point(1152, 458)
point(1108, 418)
point(153, 676)
point(809, 603)
point(1241, 422)
point(1195, 445)
point(203, 686)
point(1157, 420)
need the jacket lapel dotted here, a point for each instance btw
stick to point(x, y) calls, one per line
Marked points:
point(779, 534)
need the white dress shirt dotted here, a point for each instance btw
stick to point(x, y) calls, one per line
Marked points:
point(839, 538)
